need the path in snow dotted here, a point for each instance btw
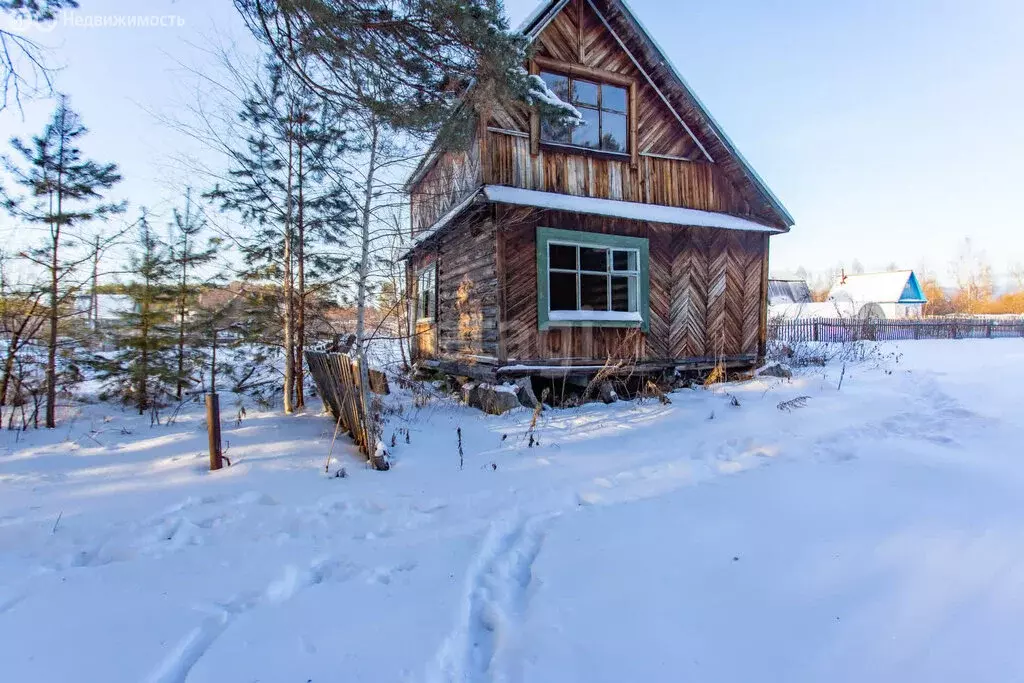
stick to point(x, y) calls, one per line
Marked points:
point(511, 569)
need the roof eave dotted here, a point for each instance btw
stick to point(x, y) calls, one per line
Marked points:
point(713, 124)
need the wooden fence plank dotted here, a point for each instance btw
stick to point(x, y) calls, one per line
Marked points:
point(846, 330)
point(337, 378)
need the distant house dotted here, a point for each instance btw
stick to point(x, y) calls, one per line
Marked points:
point(788, 292)
point(896, 294)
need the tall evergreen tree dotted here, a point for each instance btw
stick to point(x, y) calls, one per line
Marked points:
point(64, 191)
point(188, 253)
point(278, 185)
point(143, 368)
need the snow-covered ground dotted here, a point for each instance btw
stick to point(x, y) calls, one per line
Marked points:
point(877, 533)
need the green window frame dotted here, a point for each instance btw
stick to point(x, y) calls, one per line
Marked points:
point(626, 265)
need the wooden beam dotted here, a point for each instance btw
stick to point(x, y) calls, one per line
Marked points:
point(579, 32)
point(582, 71)
point(762, 331)
point(485, 153)
point(534, 116)
point(634, 127)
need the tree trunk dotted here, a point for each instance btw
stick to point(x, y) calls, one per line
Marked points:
point(94, 299)
point(289, 303)
point(141, 390)
point(51, 346)
point(364, 267)
point(181, 310)
point(300, 260)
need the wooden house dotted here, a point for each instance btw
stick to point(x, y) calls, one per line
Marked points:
point(642, 235)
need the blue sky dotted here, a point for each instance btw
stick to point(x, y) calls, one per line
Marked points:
point(890, 130)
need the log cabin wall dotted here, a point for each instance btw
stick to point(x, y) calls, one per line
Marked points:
point(452, 176)
point(705, 293)
point(669, 182)
point(466, 325)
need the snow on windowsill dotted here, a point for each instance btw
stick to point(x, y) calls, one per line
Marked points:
point(594, 316)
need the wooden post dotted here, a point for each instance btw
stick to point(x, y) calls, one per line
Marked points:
point(815, 331)
point(213, 430)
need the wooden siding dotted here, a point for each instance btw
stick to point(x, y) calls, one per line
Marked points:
point(577, 35)
point(449, 180)
point(669, 182)
point(466, 324)
point(705, 293)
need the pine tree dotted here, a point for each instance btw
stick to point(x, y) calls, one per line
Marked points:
point(64, 192)
point(143, 367)
point(187, 254)
point(278, 184)
point(404, 60)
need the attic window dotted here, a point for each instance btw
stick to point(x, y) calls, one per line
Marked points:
point(603, 107)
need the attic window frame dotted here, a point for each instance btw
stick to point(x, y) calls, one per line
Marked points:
point(600, 77)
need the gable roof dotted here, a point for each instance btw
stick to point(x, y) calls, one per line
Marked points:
point(673, 89)
point(686, 107)
point(900, 286)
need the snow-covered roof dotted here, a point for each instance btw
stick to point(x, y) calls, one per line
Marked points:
point(654, 213)
point(898, 286)
point(788, 292)
point(816, 309)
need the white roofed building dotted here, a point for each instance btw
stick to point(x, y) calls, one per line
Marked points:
point(897, 294)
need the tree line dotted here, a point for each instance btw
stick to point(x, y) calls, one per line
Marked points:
point(303, 209)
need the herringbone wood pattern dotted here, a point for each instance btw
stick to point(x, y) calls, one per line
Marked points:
point(705, 291)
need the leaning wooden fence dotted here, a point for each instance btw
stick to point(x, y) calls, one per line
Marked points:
point(845, 329)
point(338, 381)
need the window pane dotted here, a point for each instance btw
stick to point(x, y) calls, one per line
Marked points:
point(587, 134)
point(613, 132)
point(624, 260)
point(593, 259)
point(562, 294)
point(594, 292)
point(555, 131)
point(613, 98)
point(562, 256)
point(624, 294)
point(584, 93)
point(557, 84)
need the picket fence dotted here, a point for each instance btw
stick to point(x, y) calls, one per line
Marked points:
point(845, 329)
